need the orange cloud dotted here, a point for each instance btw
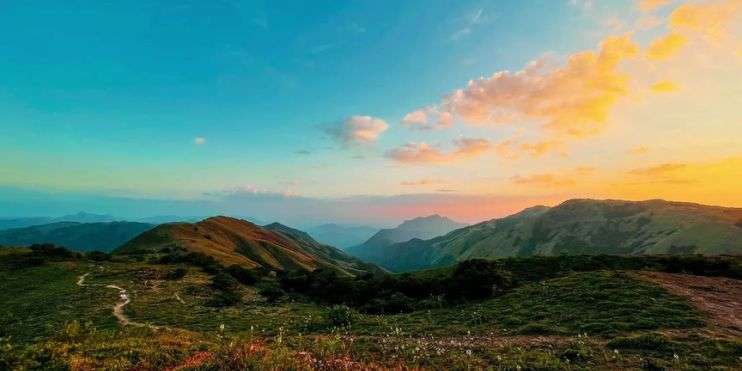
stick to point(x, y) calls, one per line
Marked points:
point(650, 5)
point(666, 46)
point(639, 150)
point(424, 153)
point(568, 178)
point(663, 169)
point(664, 87)
point(423, 119)
point(513, 149)
point(710, 19)
point(572, 100)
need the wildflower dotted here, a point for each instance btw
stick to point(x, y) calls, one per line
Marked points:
point(221, 327)
point(468, 352)
point(676, 357)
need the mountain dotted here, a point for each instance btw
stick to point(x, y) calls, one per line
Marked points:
point(422, 228)
point(76, 236)
point(342, 236)
point(235, 241)
point(580, 226)
point(80, 217)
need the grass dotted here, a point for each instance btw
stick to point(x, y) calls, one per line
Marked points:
point(601, 319)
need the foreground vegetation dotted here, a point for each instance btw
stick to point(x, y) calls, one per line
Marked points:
point(538, 313)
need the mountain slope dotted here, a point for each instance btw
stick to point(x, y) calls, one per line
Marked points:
point(581, 227)
point(342, 236)
point(76, 236)
point(421, 228)
point(234, 241)
point(80, 217)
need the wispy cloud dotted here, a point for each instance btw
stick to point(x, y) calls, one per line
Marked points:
point(358, 130)
point(199, 141)
point(423, 153)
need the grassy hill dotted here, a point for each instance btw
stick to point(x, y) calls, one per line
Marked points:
point(59, 311)
point(579, 226)
point(238, 242)
point(76, 236)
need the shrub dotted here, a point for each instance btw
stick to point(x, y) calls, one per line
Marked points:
point(340, 316)
point(243, 275)
point(271, 291)
point(477, 279)
point(176, 273)
point(224, 281)
point(98, 256)
point(652, 342)
point(224, 299)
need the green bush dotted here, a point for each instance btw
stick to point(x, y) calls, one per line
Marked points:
point(243, 275)
point(177, 273)
point(271, 291)
point(340, 316)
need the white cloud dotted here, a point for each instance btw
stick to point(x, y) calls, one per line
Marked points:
point(199, 141)
point(357, 130)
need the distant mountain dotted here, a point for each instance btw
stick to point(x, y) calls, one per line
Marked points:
point(580, 227)
point(76, 236)
point(80, 217)
point(235, 241)
point(341, 236)
point(373, 249)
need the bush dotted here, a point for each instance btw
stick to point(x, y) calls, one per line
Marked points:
point(243, 275)
point(477, 279)
point(340, 316)
point(272, 292)
point(224, 299)
point(53, 252)
point(176, 273)
point(652, 342)
point(98, 256)
point(224, 281)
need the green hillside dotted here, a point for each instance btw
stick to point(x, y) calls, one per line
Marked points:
point(77, 236)
point(579, 227)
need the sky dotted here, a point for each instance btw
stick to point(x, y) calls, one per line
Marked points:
point(366, 112)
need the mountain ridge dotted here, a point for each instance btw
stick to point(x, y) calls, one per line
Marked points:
point(579, 226)
point(236, 241)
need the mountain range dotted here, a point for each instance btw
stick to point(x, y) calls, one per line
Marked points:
point(422, 228)
point(341, 236)
point(101, 236)
point(235, 241)
point(579, 226)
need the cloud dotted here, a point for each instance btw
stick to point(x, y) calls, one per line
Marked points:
point(421, 153)
point(664, 87)
point(541, 180)
point(639, 150)
point(663, 169)
point(711, 19)
point(650, 5)
point(515, 149)
point(358, 130)
point(569, 178)
point(470, 21)
point(199, 140)
point(666, 46)
point(572, 100)
point(421, 182)
point(422, 119)
point(303, 152)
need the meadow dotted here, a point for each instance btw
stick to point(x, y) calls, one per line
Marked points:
point(559, 314)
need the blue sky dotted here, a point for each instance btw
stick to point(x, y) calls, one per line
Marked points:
point(109, 97)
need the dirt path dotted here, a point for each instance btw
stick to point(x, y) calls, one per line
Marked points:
point(81, 279)
point(720, 298)
point(118, 308)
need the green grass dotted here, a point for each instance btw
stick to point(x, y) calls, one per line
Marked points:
point(46, 320)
